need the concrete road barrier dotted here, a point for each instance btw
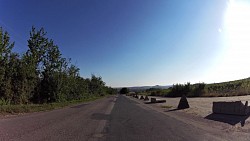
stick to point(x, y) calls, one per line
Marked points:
point(183, 104)
point(232, 108)
point(146, 98)
point(160, 101)
point(154, 100)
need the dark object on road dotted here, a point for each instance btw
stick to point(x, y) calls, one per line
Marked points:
point(146, 98)
point(183, 104)
point(231, 108)
point(141, 97)
point(136, 96)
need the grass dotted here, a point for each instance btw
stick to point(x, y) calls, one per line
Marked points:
point(166, 106)
point(14, 109)
point(224, 89)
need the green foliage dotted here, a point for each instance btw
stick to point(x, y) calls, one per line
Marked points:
point(6, 108)
point(197, 90)
point(124, 91)
point(232, 88)
point(179, 89)
point(42, 75)
point(4, 102)
point(152, 89)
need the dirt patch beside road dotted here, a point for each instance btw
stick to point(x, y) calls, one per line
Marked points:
point(202, 106)
point(201, 109)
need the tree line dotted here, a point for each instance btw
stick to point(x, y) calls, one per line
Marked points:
point(231, 88)
point(42, 74)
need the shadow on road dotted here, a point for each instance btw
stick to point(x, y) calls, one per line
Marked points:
point(153, 102)
point(149, 103)
point(173, 110)
point(100, 116)
point(230, 119)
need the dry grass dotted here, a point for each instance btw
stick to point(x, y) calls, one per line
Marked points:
point(166, 106)
point(13, 109)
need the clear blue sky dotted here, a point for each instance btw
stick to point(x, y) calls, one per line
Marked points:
point(140, 42)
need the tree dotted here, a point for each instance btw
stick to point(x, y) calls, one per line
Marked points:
point(34, 62)
point(96, 85)
point(6, 47)
point(51, 65)
point(124, 91)
point(42, 75)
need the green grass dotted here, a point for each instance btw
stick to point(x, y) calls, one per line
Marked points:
point(166, 106)
point(14, 109)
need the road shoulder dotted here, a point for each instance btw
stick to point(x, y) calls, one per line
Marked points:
point(196, 121)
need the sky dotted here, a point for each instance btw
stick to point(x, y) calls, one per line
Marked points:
point(141, 42)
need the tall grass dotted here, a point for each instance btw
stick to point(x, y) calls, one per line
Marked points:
point(13, 109)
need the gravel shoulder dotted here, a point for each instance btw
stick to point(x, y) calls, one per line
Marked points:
point(196, 115)
point(202, 106)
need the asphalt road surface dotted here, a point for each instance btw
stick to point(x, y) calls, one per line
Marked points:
point(108, 119)
point(84, 122)
point(130, 122)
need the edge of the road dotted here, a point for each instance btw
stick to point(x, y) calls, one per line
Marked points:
point(195, 121)
point(6, 116)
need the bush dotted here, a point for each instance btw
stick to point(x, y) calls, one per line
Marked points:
point(124, 91)
point(179, 89)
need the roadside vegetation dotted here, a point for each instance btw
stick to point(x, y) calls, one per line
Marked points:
point(41, 78)
point(231, 88)
point(166, 106)
point(124, 91)
point(27, 108)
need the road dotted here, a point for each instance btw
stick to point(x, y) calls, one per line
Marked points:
point(130, 122)
point(111, 119)
point(84, 122)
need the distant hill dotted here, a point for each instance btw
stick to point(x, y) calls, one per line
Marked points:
point(143, 88)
